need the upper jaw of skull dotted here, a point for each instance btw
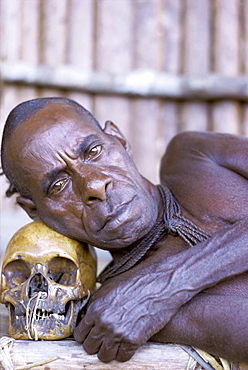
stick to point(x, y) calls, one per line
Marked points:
point(42, 308)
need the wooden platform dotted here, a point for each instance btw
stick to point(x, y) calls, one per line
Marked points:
point(67, 354)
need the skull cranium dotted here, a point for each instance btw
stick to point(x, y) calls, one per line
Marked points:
point(46, 280)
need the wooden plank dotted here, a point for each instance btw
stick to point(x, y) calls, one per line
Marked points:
point(72, 356)
point(226, 117)
point(146, 144)
point(11, 29)
point(113, 36)
point(196, 61)
point(9, 98)
point(197, 37)
point(226, 114)
point(244, 12)
point(226, 36)
point(170, 28)
point(29, 42)
point(67, 354)
point(80, 47)
point(137, 83)
point(112, 55)
point(80, 34)
point(54, 32)
point(169, 124)
point(145, 35)
point(245, 120)
point(145, 113)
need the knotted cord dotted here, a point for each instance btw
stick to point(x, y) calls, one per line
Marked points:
point(31, 314)
point(175, 223)
point(172, 222)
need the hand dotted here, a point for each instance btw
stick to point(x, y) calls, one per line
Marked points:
point(122, 316)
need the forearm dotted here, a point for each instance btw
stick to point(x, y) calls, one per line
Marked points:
point(130, 308)
point(206, 264)
point(216, 324)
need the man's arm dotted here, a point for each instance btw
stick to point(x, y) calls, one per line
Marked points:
point(226, 150)
point(214, 323)
point(131, 308)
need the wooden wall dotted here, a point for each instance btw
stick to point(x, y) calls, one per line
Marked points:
point(178, 37)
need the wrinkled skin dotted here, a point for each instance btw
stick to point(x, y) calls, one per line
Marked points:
point(196, 296)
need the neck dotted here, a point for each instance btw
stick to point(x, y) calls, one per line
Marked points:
point(158, 200)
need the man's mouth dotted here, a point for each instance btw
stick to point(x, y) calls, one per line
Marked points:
point(118, 217)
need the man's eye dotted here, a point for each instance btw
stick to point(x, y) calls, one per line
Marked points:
point(58, 186)
point(95, 151)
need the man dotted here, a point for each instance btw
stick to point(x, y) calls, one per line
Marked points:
point(180, 249)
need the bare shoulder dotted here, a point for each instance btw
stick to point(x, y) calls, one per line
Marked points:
point(189, 148)
point(208, 175)
point(208, 142)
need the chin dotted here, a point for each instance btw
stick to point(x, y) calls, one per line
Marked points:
point(123, 236)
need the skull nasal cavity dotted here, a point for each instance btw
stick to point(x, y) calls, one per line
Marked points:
point(37, 284)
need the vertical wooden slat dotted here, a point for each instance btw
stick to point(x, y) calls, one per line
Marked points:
point(146, 138)
point(244, 12)
point(54, 32)
point(29, 43)
point(113, 35)
point(170, 20)
point(194, 116)
point(225, 114)
point(30, 32)
point(11, 25)
point(8, 100)
point(244, 9)
point(80, 34)
point(146, 112)
point(170, 23)
point(54, 41)
point(10, 50)
point(245, 120)
point(80, 46)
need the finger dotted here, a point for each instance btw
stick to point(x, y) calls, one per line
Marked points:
point(126, 351)
point(108, 350)
point(93, 341)
point(82, 330)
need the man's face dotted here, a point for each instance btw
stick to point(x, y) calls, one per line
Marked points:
point(82, 180)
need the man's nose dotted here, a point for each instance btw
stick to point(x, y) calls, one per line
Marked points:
point(94, 188)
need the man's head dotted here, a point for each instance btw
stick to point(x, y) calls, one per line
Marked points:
point(76, 177)
point(22, 113)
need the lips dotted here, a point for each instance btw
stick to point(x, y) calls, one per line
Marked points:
point(118, 217)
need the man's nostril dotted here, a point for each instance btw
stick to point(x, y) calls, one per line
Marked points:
point(92, 199)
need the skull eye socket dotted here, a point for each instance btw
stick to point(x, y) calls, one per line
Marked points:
point(62, 271)
point(16, 273)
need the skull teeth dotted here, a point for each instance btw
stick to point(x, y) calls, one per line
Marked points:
point(45, 315)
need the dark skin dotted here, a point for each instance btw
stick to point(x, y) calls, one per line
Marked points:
point(87, 187)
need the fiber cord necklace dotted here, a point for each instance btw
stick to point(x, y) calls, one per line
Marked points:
point(172, 223)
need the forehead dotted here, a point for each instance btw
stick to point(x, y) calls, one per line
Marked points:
point(51, 119)
point(36, 142)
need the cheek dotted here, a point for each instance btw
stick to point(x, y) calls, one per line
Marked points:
point(62, 216)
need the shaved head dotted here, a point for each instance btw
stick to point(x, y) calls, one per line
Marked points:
point(22, 113)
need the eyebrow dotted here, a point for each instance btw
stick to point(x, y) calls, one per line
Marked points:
point(51, 176)
point(85, 143)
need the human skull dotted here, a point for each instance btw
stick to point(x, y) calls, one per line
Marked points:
point(46, 280)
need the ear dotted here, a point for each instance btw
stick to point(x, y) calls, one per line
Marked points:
point(111, 129)
point(28, 206)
